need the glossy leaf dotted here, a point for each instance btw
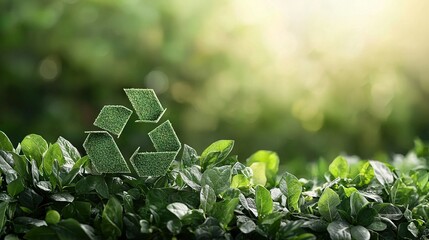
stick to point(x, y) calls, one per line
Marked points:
point(111, 221)
point(357, 202)
point(264, 203)
point(382, 173)
point(3, 209)
point(34, 146)
point(360, 233)
point(53, 153)
point(217, 151)
point(207, 198)
point(328, 202)
point(218, 178)
point(192, 177)
point(270, 160)
point(224, 211)
point(5, 143)
point(70, 153)
point(291, 187)
point(339, 230)
point(245, 224)
point(339, 167)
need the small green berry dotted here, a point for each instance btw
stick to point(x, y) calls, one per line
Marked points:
point(52, 217)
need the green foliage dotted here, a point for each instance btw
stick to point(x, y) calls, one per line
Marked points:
point(52, 192)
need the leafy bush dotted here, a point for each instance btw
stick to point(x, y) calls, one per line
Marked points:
point(49, 191)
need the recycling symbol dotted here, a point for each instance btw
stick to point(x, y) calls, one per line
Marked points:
point(103, 151)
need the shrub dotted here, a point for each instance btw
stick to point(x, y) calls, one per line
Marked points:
point(49, 191)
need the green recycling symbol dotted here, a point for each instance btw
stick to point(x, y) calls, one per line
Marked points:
point(103, 151)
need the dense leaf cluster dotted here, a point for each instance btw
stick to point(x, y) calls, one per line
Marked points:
point(48, 191)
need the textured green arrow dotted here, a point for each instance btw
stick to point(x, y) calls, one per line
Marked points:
point(167, 146)
point(146, 104)
point(104, 153)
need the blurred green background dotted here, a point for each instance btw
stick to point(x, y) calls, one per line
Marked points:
point(305, 79)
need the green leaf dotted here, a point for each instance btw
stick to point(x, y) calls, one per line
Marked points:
point(41, 233)
point(78, 210)
point(30, 199)
point(6, 168)
point(189, 157)
point(258, 173)
point(407, 231)
point(24, 224)
point(174, 226)
point(248, 204)
point(271, 161)
point(20, 165)
point(348, 190)
point(382, 173)
point(328, 202)
point(245, 224)
point(210, 229)
point(366, 174)
point(90, 183)
point(401, 194)
point(3, 209)
point(388, 210)
point(34, 146)
point(218, 178)
point(179, 209)
point(339, 230)
point(44, 185)
point(240, 181)
point(357, 202)
point(421, 178)
point(339, 167)
point(15, 187)
point(192, 177)
point(360, 233)
point(377, 226)
point(70, 153)
point(62, 197)
point(70, 229)
point(264, 203)
point(224, 211)
point(366, 216)
point(53, 154)
point(291, 187)
point(217, 151)
point(111, 220)
point(5, 143)
point(421, 211)
point(271, 223)
point(77, 167)
point(207, 198)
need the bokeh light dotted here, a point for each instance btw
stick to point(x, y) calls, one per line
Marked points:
point(303, 78)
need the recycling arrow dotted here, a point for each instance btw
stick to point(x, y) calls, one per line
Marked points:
point(103, 151)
